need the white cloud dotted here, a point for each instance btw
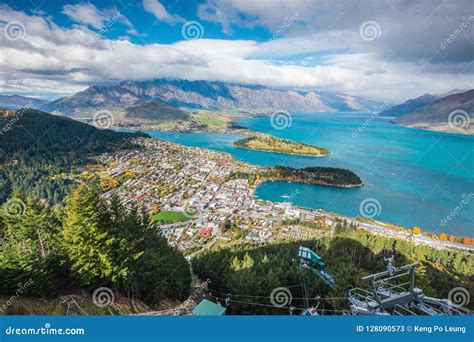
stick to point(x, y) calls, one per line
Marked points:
point(88, 14)
point(85, 13)
point(159, 11)
point(410, 30)
point(54, 61)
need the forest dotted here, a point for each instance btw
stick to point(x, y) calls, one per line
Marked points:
point(86, 244)
point(247, 274)
point(37, 147)
point(310, 175)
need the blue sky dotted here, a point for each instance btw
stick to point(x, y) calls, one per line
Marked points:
point(386, 49)
point(151, 29)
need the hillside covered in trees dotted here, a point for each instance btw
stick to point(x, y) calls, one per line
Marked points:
point(87, 244)
point(247, 274)
point(330, 176)
point(36, 146)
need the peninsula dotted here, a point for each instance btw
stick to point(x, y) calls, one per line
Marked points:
point(268, 143)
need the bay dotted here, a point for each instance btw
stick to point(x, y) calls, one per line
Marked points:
point(412, 177)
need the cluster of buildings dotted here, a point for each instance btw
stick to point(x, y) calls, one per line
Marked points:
point(201, 184)
point(164, 176)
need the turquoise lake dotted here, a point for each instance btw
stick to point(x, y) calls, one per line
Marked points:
point(419, 178)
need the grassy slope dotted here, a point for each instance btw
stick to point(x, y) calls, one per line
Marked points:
point(272, 144)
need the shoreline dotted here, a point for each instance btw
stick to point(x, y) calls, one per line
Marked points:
point(290, 154)
point(350, 186)
point(259, 182)
point(381, 228)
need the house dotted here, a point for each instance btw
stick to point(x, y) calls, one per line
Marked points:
point(206, 231)
point(208, 308)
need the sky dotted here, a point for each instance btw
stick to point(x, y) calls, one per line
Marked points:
point(389, 50)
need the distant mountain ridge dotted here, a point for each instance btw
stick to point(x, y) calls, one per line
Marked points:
point(203, 95)
point(409, 105)
point(412, 105)
point(17, 101)
point(452, 113)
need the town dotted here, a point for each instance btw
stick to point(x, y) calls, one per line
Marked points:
point(193, 196)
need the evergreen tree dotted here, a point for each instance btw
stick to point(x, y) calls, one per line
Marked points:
point(30, 246)
point(89, 241)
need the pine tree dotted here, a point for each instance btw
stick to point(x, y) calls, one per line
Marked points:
point(30, 248)
point(90, 246)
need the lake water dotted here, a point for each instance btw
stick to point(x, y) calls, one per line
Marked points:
point(412, 177)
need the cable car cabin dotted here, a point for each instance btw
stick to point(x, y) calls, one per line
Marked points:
point(313, 262)
point(310, 258)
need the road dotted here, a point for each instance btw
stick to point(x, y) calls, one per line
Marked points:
point(415, 238)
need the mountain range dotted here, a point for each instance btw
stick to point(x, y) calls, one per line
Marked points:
point(155, 102)
point(17, 102)
point(409, 105)
point(412, 105)
point(450, 113)
point(217, 96)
